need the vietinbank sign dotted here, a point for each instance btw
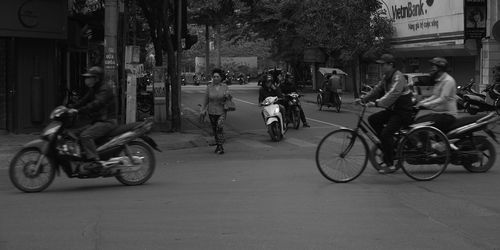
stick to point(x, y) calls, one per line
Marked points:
point(408, 10)
point(422, 19)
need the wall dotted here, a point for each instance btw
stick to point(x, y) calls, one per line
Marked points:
point(3, 84)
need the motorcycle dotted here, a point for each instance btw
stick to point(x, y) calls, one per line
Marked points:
point(474, 152)
point(126, 154)
point(293, 109)
point(273, 118)
point(474, 102)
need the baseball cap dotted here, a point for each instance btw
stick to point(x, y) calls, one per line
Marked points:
point(386, 58)
point(439, 61)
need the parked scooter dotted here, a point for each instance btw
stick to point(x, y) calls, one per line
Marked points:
point(273, 118)
point(475, 102)
point(126, 154)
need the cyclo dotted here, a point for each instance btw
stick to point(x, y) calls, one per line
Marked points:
point(422, 151)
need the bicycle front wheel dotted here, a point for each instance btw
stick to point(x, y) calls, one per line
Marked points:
point(424, 153)
point(342, 155)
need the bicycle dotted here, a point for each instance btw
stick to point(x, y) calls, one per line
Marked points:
point(422, 151)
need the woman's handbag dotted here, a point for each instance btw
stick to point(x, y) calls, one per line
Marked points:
point(229, 105)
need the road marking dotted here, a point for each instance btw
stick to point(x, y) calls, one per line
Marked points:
point(251, 103)
point(300, 143)
point(253, 144)
point(327, 123)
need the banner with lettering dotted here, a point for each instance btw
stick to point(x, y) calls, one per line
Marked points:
point(423, 19)
point(475, 19)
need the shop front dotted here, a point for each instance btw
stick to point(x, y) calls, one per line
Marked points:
point(32, 38)
point(426, 29)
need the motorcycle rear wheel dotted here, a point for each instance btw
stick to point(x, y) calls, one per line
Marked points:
point(22, 171)
point(488, 151)
point(141, 149)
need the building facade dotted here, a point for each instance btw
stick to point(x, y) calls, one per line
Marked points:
point(32, 35)
point(459, 31)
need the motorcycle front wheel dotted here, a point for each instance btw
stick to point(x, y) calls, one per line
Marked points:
point(275, 131)
point(24, 174)
point(295, 118)
point(148, 164)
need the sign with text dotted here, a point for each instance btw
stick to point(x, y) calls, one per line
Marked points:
point(475, 19)
point(159, 74)
point(422, 19)
point(110, 59)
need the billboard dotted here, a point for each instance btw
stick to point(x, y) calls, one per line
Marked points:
point(475, 19)
point(420, 20)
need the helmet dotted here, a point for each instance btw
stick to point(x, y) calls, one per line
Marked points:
point(439, 61)
point(94, 71)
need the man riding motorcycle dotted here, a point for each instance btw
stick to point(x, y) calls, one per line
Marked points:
point(99, 105)
point(442, 102)
point(269, 89)
point(288, 86)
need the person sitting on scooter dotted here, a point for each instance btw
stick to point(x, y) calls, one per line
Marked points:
point(288, 86)
point(99, 105)
point(442, 102)
point(269, 89)
point(392, 94)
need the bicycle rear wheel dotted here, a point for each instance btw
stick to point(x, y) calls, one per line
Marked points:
point(424, 153)
point(342, 155)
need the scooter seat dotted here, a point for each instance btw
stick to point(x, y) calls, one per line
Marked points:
point(462, 121)
point(123, 128)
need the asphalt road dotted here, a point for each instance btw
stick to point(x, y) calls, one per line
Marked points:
point(259, 195)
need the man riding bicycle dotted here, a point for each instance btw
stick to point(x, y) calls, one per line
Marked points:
point(392, 94)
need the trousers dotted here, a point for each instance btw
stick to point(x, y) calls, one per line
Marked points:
point(386, 123)
point(90, 133)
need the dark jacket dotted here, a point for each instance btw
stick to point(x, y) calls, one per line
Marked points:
point(266, 92)
point(392, 93)
point(98, 103)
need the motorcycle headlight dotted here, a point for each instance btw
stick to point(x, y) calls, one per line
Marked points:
point(51, 128)
point(57, 112)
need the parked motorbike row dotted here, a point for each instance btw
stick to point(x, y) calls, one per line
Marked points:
point(473, 102)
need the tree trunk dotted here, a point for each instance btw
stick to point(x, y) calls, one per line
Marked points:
point(207, 50)
point(217, 45)
point(355, 77)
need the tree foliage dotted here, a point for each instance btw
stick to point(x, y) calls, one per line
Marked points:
point(344, 29)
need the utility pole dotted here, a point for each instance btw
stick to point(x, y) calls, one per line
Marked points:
point(176, 88)
point(111, 47)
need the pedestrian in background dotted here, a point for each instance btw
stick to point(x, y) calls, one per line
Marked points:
point(216, 94)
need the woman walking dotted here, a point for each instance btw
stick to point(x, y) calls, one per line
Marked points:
point(217, 93)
